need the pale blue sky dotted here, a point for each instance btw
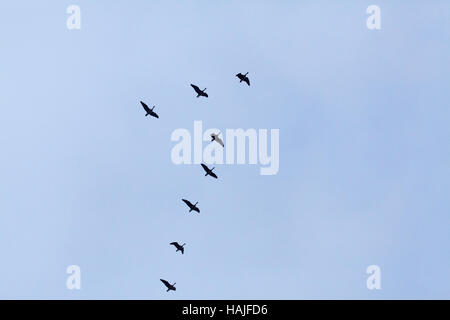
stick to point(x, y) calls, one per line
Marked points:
point(86, 179)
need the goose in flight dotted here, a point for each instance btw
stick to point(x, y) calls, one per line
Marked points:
point(215, 137)
point(178, 246)
point(199, 92)
point(243, 77)
point(191, 206)
point(209, 172)
point(149, 111)
point(168, 285)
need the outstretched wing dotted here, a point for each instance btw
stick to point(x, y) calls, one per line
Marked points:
point(239, 75)
point(174, 244)
point(167, 284)
point(247, 80)
point(212, 174)
point(220, 141)
point(187, 202)
point(196, 209)
point(197, 89)
point(205, 167)
point(146, 108)
point(155, 115)
point(182, 250)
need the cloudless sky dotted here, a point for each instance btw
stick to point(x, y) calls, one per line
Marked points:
point(86, 179)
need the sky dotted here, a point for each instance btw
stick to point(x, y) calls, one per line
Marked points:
point(87, 179)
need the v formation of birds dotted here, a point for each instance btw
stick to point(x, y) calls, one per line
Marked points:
point(208, 171)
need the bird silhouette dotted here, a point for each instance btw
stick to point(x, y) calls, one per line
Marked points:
point(168, 285)
point(209, 172)
point(192, 207)
point(215, 137)
point(199, 92)
point(243, 77)
point(178, 246)
point(149, 111)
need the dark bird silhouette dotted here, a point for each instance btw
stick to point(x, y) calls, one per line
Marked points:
point(191, 206)
point(168, 285)
point(178, 246)
point(149, 111)
point(243, 77)
point(209, 172)
point(199, 92)
point(215, 137)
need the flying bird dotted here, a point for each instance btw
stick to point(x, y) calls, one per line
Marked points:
point(243, 77)
point(191, 206)
point(149, 111)
point(168, 285)
point(178, 246)
point(209, 172)
point(215, 137)
point(199, 92)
